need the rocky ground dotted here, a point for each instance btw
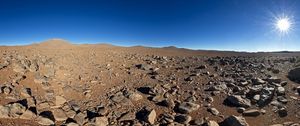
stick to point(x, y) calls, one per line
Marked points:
point(57, 83)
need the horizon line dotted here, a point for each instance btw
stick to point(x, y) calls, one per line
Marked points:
point(121, 45)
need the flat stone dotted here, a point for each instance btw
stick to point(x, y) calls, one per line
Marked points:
point(72, 124)
point(28, 115)
point(45, 121)
point(127, 117)
point(213, 111)
point(101, 121)
point(151, 116)
point(59, 100)
point(59, 115)
point(135, 96)
point(251, 112)
point(187, 107)
point(211, 123)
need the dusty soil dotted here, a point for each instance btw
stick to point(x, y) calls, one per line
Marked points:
point(109, 85)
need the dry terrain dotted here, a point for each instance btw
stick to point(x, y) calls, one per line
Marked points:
point(58, 83)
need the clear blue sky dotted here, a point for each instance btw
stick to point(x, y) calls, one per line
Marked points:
point(242, 25)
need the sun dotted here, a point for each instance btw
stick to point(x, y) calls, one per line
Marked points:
point(283, 24)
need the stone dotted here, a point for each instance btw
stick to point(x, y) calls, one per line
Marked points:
point(168, 103)
point(59, 115)
point(276, 71)
point(33, 66)
point(240, 109)
point(6, 90)
point(135, 96)
point(16, 109)
point(39, 79)
point(71, 113)
point(282, 112)
point(151, 116)
point(274, 79)
point(183, 119)
point(238, 101)
point(81, 118)
point(19, 68)
point(298, 89)
point(167, 118)
point(101, 121)
point(211, 123)
point(118, 97)
point(213, 111)
point(59, 100)
point(31, 102)
point(256, 97)
point(28, 115)
point(294, 74)
point(187, 107)
point(251, 112)
point(127, 117)
point(144, 66)
point(258, 81)
point(45, 121)
point(235, 121)
point(72, 124)
point(4, 111)
point(265, 96)
point(280, 91)
point(26, 92)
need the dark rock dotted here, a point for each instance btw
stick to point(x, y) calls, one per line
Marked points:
point(294, 74)
point(183, 119)
point(238, 101)
point(235, 121)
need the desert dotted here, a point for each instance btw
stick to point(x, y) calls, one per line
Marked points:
point(56, 82)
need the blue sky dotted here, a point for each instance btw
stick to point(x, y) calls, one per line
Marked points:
point(241, 25)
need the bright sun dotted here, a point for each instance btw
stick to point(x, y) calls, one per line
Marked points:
point(283, 24)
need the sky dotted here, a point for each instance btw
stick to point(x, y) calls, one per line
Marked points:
point(239, 25)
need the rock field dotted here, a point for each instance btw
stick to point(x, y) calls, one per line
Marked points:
point(58, 83)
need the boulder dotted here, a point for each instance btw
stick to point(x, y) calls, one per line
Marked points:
point(294, 74)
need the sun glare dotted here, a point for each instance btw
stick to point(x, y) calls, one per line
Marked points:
point(283, 25)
